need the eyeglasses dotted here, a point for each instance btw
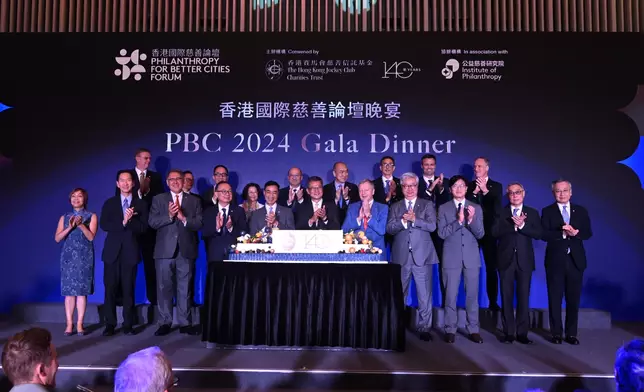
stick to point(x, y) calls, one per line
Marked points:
point(388, 165)
point(409, 186)
point(458, 186)
point(315, 188)
point(175, 179)
point(221, 174)
point(225, 192)
point(515, 193)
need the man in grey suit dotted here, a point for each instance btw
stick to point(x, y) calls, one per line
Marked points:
point(411, 221)
point(460, 224)
point(271, 215)
point(177, 217)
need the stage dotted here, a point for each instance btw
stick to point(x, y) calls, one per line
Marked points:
point(435, 366)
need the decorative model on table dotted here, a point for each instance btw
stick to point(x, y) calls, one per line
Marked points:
point(305, 241)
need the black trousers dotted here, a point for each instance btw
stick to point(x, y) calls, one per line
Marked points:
point(489, 248)
point(564, 281)
point(512, 277)
point(119, 278)
point(148, 240)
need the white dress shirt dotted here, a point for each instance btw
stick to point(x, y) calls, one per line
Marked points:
point(221, 213)
point(561, 206)
point(316, 206)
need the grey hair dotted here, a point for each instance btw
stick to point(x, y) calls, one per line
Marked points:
point(513, 184)
point(365, 181)
point(554, 183)
point(409, 175)
point(147, 370)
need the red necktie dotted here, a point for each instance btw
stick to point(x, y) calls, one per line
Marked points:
point(176, 201)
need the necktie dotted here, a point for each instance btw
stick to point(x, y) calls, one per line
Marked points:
point(409, 205)
point(460, 205)
point(566, 216)
point(341, 201)
point(126, 205)
point(515, 212)
point(387, 183)
point(141, 178)
point(270, 210)
point(176, 201)
point(223, 211)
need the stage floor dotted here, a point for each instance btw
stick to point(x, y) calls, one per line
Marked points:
point(593, 359)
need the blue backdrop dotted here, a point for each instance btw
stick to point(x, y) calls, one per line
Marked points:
point(539, 107)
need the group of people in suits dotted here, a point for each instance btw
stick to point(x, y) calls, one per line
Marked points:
point(426, 220)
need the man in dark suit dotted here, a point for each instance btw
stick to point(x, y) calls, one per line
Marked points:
point(294, 195)
point(316, 214)
point(147, 184)
point(411, 221)
point(177, 217)
point(272, 215)
point(222, 224)
point(340, 191)
point(565, 227)
point(515, 228)
point(460, 224)
point(124, 218)
point(189, 183)
point(219, 174)
point(489, 195)
point(387, 187)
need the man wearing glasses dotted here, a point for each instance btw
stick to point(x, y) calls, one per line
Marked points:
point(387, 187)
point(222, 224)
point(219, 174)
point(294, 195)
point(565, 228)
point(177, 217)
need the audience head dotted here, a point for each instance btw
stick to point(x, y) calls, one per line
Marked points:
point(29, 357)
point(428, 164)
point(481, 167)
point(516, 193)
point(124, 181)
point(387, 166)
point(220, 173)
point(294, 176)
point(175, 180)
point(366, 190)
point(147, 370)
point(562, 189)
point(458, 186)
point(315, 188)
point(143, 157)
point(251, 192)
point(340, 172)
point(224, 192)
point(188, 180)
point(409, 183)
point(78, 198)
point(271, 192)
point(629, 367)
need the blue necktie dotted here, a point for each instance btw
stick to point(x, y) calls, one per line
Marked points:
point(341, 201)
point(387, 184)
point(515, 212)
point(566, 216)
point(126, 205)
point(409, 205)
point(270, 210)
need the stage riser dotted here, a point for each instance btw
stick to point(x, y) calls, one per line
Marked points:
point(55, 313)
point(67, 380)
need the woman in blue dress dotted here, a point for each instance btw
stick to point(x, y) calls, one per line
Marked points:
point(76, 230)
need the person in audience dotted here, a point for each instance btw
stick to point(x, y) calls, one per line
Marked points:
point(368, 216)
point(387, 187)
point(147, 184)
point(565, 228)
point(125, 219)
point(177, 217)
point(488, 194)
point(189, 183)
point(147, 370)
point(30, 361)
point(340, 191)
point(629, 367)
point(250, 195)
point(411, 221)
point(219, 174)
point(222, 224)
point(76, 230)
point(515, 228)
point(294, 195)
point(272, 215)
point(315, 213)
point(460, 225)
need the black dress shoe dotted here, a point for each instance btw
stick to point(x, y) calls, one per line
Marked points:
point(476, 338)
point(507, 339)
point(572, 340)
point(109, 330)
point(450, 338)
point(523, 339)
point(163, 330)
point(128, 331)
point(556, 339)
point(188, 330)
point(425, 336)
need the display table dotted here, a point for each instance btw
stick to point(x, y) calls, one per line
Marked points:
point(342, 300)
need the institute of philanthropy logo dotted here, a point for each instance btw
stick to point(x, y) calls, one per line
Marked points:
point(451, 66)
point(130, 65)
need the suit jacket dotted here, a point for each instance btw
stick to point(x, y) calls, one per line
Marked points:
point(460, 246)
point(376, 227)
point(209, 193)
point(557, 248)
point(380, 196)
point(329, 195)
point(172, 232)
point(156, 186)
point(219, 242)
point(516, 243)
point(283, 215)
point(490, 203)
point(123, 240)
point(282, 198)
point(305, 211)
point(416, 236)
point(436, 197)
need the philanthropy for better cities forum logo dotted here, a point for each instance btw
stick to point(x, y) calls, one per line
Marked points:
point(130, 65)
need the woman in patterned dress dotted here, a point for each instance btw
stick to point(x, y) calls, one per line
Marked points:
point(250, 195)
point(76, 230)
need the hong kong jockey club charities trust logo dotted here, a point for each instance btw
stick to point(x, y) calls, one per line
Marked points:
point(4, 107)
point(130, 65)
